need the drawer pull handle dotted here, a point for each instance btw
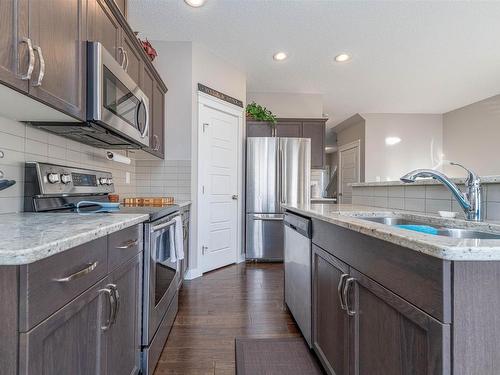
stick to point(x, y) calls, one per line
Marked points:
point(81, 273)
point(112, 307)
point(339, 290)
point(347, 288)
point(116, 296)
point(128, 244)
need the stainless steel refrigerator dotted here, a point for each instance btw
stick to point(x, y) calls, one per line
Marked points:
point(278, 170)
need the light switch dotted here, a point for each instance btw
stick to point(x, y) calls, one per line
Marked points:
point(127, 177)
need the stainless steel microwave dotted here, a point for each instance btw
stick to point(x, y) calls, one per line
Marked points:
point(114, 100)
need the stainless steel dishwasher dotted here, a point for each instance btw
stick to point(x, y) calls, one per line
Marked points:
point(297, 259)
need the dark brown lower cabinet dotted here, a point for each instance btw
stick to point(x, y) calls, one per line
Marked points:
point(330, 323)
point(123, 337)
point(362, 328)
point(70, 341)
point(393, 337)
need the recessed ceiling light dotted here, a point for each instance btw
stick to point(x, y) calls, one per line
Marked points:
point(342, 57)
point(280, 56)
point(195, 3)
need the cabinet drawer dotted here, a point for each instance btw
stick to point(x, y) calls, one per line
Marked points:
point(49, 284)
point(123, 245)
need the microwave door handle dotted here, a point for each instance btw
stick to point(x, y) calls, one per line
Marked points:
point(146, 110)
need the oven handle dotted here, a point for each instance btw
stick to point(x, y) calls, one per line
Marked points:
point(162, 226)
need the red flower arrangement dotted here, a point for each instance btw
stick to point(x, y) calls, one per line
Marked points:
point(150, 51)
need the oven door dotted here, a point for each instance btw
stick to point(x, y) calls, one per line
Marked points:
point(115, 100)
point(161, 276)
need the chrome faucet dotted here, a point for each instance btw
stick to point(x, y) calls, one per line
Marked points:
point(470, 201)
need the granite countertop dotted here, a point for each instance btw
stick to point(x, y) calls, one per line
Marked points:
point(28, 237)
point(426, 181)
point(182, 204)
point(437, 246)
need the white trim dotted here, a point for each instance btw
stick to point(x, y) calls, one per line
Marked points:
point(192, 274)
point(223, 106)
point(346, 147)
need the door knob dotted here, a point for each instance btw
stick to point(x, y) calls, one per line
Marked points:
point(234, 197)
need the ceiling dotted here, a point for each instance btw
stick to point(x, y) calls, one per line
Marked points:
point(408, 57)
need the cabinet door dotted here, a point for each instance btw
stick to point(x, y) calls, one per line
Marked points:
point(123, 338)
point(259, 129)
point(316, 132)
point(330, 326)
point(71, 341)
point(133, 59)
point(14, 56)
point(393, 337)
point(292, 129)
point(58, 31)
point(103, 27)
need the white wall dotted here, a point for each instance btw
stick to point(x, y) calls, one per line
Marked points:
point(289, 104)
point(471, 136)
point(420, 147)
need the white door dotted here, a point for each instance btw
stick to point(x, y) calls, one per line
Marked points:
point(218, 161)
point(348, 170)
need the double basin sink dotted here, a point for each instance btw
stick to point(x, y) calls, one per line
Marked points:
point(441, 230)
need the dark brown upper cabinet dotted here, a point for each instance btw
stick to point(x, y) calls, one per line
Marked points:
point(289, 129)
point(133, 58)
point(315, 129)
point(57, 29)
point(14, 51)
point(259, 129)
point(104, 27)
point(46, 56)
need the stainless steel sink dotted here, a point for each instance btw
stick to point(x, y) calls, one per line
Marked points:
point(442, 231)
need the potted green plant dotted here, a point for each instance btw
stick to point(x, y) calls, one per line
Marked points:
point(259, 113)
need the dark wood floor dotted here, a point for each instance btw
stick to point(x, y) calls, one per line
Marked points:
point(244, 300)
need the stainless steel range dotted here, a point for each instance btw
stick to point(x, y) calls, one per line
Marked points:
point(56, 188)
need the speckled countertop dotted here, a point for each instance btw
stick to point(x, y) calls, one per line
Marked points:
point(437, 246)
point(28, 237)
point(183, 204)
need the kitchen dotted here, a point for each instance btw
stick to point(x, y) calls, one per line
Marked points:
point(180, 199)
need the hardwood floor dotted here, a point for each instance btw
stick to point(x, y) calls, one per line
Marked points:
point(244, 300)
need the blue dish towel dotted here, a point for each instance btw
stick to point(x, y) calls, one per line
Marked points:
point(419, 228)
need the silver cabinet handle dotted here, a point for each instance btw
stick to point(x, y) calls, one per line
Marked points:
point(128, 244)
point(41, 73)
point(185, 230)
point(116, 296)
point(79, 274)
point(122, 54)
point(111, 300)
point(31, 66)
point(339, 290)
point(346, 293)
point(156, 143)
point(126, 60)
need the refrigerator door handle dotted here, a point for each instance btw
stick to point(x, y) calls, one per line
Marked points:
point(281, 176)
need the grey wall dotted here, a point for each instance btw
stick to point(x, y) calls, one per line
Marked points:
point(471, 135)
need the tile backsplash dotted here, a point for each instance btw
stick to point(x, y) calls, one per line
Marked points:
point(21, 143)
point(425, 198)
point(170, 178)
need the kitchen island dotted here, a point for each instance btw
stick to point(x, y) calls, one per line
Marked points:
point(388, 300)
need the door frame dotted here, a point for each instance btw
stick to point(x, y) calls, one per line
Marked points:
point(346, 147)
point(205, 100)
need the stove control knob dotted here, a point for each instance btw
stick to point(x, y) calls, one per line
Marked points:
point(103, 181)
point(110, 181)
point(53, 178)
point(65, 178)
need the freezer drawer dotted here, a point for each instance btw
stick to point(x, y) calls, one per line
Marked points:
point(264, 237)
